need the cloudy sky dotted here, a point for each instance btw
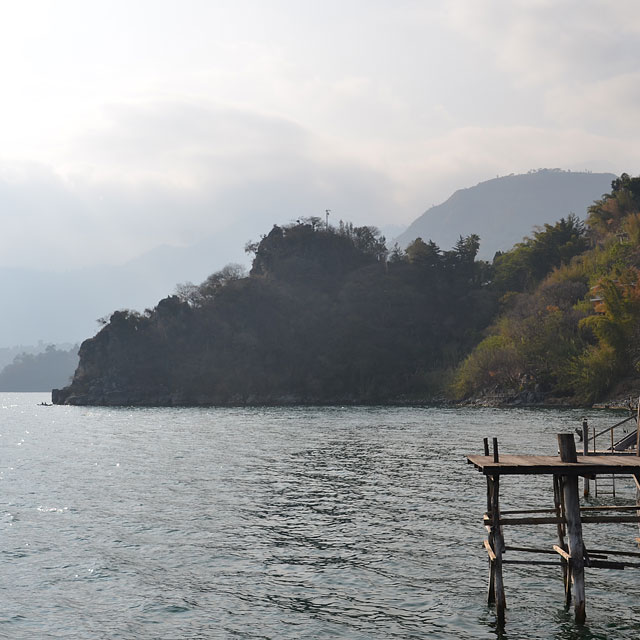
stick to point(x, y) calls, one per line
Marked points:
point(127, 125)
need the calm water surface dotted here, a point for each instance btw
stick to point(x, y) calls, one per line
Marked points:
point(351, 523)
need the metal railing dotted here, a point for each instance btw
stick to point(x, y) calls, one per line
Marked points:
point(627, 441)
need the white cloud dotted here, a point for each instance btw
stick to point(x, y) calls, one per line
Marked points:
point(169, 173)
point(541, 41)
point(184, 143)
point(157, 124)
point(611, 105)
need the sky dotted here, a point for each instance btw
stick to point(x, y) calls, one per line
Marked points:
point(129, 125)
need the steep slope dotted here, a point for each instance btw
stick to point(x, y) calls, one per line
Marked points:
point(569, 327)
point(322, 318)
point(503, 210)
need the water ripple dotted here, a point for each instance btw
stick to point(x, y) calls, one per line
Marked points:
point(353, 523)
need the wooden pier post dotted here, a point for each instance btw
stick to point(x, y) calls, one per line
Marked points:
point(491, 597)
point(638, 429)
point(585, 451)
point(496, 543)
point(636, 478)
point(559, 508)
point(571, 500)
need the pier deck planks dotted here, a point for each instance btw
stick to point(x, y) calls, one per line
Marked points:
point(539, 465)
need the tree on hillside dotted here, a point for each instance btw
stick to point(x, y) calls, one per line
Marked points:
point(424, 254)
point(570, 323)
point(606, 214)
point(197, 295)
point(530, 261)
point(322, 317)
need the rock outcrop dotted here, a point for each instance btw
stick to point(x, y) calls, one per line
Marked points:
point(321, 319)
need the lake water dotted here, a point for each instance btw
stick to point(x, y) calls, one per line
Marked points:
point(275, 523)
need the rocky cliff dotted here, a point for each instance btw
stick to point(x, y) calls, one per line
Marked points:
point(322, 318)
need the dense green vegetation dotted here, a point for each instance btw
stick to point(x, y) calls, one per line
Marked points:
point(328, 315)
point(570, 320)
point(504, 209)
point(322, 317)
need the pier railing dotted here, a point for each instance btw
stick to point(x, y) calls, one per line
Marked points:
point(612, 445)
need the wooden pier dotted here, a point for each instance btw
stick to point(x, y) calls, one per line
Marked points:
point(565, 513)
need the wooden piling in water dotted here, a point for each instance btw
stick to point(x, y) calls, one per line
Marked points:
point(496, 544)
point(492, 557)
point(566, 569)
point(638, 429)
point(571, 501)
point(585, 452)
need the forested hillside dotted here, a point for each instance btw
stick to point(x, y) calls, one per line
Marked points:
point(570, 298)
point(505, 209)
point(327, 315)
point(323, 317)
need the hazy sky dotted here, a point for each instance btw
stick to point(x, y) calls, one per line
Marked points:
point(125, 125)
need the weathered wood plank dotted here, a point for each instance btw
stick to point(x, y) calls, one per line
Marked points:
point(585, 465)
point(497, 544)
point(527, 521)
point(608, 564)
point(605, 519)
point(609, 507)
point(559, 520)
point(512, 512)
point(487, 546)
point(549, 563)
point(571, 501)
point(528, 550)
point(635, 554)
point(560, 528)
point(562, 552)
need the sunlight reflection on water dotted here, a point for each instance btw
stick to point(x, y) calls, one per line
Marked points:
point(275, 523)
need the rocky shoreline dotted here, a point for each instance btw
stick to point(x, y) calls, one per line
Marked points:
point(146, 398)
point(107, 392)
point(505, 400)
point(624, 397)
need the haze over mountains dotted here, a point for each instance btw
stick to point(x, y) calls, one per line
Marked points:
point(504, 210)
point(63, 307)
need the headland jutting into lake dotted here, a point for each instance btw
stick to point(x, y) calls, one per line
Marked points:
point(328, 315)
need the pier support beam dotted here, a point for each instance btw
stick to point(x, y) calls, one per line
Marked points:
point(565, 513)
point(559, 508)
point(636, 478)
point(571, 502)
point(585, 451)
point(496, 542)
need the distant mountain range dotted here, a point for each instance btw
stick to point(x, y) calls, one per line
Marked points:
point(57, 308)
point(504, 210)
point(40, 372)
